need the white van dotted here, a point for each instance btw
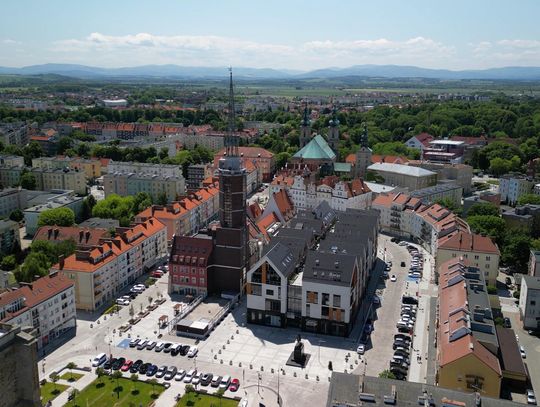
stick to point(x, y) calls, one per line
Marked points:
point(225, 382)
point(99, 360)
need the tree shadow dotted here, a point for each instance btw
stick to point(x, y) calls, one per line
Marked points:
point(154, 396)
point(99, 385)
point(135, 392)
point(118, 389)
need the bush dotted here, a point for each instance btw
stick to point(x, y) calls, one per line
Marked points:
point(491, 289)
point(516, 294)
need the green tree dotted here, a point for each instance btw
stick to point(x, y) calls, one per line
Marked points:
point(450, 204)
point(16, 215)
point(9, 263)
point(499, 166)
point(162, 199)
point(154, 382)
point(117, 374)
point(28, 181)
point(100, 372)
point(70, 366)
point(491, 226)
point(387, 374)
point(115, 207)
point(56, 216)
point(88, 204)
point(35, 265)
point(529, 199)
point(53, 250)
point(134, 379)
point(483, 208)
point(54, 377)
point(141, 201)
point(282, 159)
point(516, 251)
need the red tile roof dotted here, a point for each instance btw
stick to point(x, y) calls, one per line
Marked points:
point(284, 204)
point(469, 242)
point(81, 236)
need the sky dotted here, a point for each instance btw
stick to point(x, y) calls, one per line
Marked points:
point(293, 34)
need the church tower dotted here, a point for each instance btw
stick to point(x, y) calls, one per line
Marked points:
point(333, 133)
point(363, 155)
point(305, 128)
point(230, 239)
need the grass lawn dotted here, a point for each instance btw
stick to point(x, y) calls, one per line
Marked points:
point(205, 400)
point(49, 391)
point(71, 377)
point(104, 394)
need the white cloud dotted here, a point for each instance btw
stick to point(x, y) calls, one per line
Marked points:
point(507, 52)
point(145, 48)
point(9, 41)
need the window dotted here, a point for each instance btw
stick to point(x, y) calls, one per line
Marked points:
point(337, 300)
point(488, 258)
point(307, 310)
point(201, 280)
point(193, 280)
point(476, 257)
point(270, 292)
point(533, 302)
point(325, 299)
point(454, 255)
point(487, 266)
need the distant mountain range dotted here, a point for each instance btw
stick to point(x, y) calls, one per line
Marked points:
point(187, 72)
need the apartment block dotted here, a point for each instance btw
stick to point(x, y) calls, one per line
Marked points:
point(90, 167)
point(47, 305)
point(197, 173)
point(525, 217)
point(529, 302)
point(101, 272)
point(163, 170)
point(449, 191)
point(11, 199)
point(83, 237)
point(11, 160)
point(404, 176)
point(19, 374)
point(31, 214)
point(460, 174)
point(14, 133)
point(534, 263)
point(48, 180)
point(187, 216)
point(318, 288)
point(261, 157)
point(467, 344)
point(513, 186)
point(9, 236)
point(129, 184)
point(479, 250)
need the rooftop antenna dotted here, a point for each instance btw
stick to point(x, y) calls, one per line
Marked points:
point(231, 140)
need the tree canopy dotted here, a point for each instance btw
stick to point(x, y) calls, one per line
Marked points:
point(483, 208)
point(56, 216)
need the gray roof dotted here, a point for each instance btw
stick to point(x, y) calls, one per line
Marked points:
point(100, 223)
point(510, 359)
point(330, 268)
point(345, 388)
point(401, 169)
point(532, 282)
point(282, 258)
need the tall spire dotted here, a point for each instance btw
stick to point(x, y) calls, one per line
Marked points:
point(334, 121)
point(231, 140)
point(364, 139)
point(305, 119)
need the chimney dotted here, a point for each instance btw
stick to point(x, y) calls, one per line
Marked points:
point(61, 261)
point(56, 233)
point(49, 233)
point(87, 236)
point(81, 233)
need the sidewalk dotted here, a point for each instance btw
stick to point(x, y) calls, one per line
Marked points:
point(80, 384)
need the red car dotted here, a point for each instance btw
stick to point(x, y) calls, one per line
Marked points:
point(235, 384)
point(126, 366)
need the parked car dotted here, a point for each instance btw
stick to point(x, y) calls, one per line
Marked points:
point(531, 398)
point(118, 364)
point(361, 349)
point(134, 342)
point(167, 347)
point(126, 366)
point(522, 352)
point(122, 301)
point(152, 369)
point(180, 375)
point(507, 323)
point(235, 384)
point(142, 344)
point(159, 346)
point(376, 300)
point(393, 278)
point(144, 368)
point(193, 350)
point(184, 350)
point(225, 382)
point(171, 372)
point(136, 366)
point(206, 379)
point(368, 328)
point(161, 371)
point(216, 380)
point(99, 360)
point(409, 300)
point(402, 336)
point(157, 273)
point(189, 376)
point(196, 378)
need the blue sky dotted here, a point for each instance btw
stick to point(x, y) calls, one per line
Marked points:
point(290, 34)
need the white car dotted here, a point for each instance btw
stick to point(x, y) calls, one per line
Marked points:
point(531, 398)
point(361, 349)
point(189, 376)
point(393, 278)
point(522, 351)
point(376, 300)
point(180, 375)
point(192, 352)
point(122, 301)
point(139, 287)
point(402, 243)
point(196, 378)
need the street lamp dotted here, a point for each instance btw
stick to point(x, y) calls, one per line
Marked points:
point(320, 350)
point(278, 401)
point(258, 383)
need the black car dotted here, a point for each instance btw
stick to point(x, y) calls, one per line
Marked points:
point(167, 347)
point(402, 336)
point(133, 295)
point(403, 344)
point(409, 300)
point(144, 368)
point(404, 330)
point(135, 366)
point(398, 370)
point(152, 369)
point(402, 264)
point(508, 281)
point(118, 364)
point(108, 364)
point(206, 379)
point(184, 350)
point(507, 323)
point(176, 350)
